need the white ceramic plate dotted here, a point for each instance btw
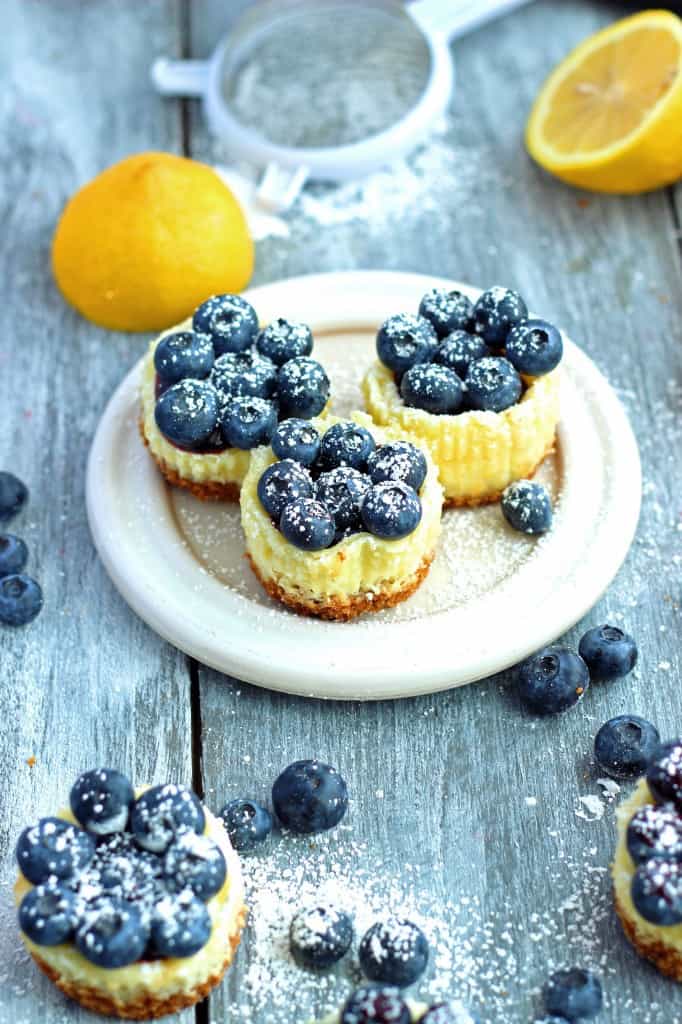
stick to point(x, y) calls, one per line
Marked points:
point(492, 597)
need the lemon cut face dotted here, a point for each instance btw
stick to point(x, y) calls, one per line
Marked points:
point(609, 117)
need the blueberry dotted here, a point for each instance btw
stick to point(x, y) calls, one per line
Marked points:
point(573, 994)
point(320, 936)
point(608, 652)
point(391, 510)
point(527, 507)
point(394, 952)
point(655, 832)
point(342, 491)
point(281, 483)
point(13, 554)
point(398, 460)
point(405, 340)
point(310, 796)
point(21, 599)
point(496, 312)
point(244, 373)
point(180, 926)
point(248, 422)
point(187, 413)
point(446, 310)
point(375, 1004)
point(459, 350)
point(112, 933)
point(657, 891)
point(181, 355)
point(161, 812)
point(345, 444)
point(307, 524)
point(53, 848)
point(47, 914)
point(296, 439)
point(302, 388)
point(534, 347)
point(247, 823)
point(492, 384)
point(13, 496)
point(283, 340)
point(433, 388)
point(552, 680)
point(229, 322)
point(450, 1013)
point(625, 746)
point(194, 862)
point(100, 800)
point(664, 775)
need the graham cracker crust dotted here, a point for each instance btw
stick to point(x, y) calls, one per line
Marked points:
point(668, 961)
point(338, 610)
point(209, 490)
point(490, 499)
point(148, 1006)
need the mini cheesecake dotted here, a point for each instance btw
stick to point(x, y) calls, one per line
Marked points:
point(134, 904)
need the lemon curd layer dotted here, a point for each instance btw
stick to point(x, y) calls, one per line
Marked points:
point(158, 978)
point(477, 453)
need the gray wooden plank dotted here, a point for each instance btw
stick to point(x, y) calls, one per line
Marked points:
point(456, 769)
point(87, 683)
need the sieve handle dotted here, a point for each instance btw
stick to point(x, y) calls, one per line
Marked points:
point(454, 18)
point(180, 77)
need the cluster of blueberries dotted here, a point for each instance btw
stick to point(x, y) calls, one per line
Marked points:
point(323, 489)
point(455, 355)
point(226, 383)
point(21, 597)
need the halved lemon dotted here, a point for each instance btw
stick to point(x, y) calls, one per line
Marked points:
point(609, 117)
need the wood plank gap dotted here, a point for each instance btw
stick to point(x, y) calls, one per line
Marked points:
point(677, 223)
point(185, 53)
point(196, 728)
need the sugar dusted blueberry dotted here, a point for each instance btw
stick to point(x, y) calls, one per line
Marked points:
point(281, 483)
point(183, 354)
point(452, 1013)
point(307, 524)
point(492, 384)
point(187, 413)
point(459, 350)
point(446, 310)
point(552, 681)
point(53, 848)
point(656, 891)
point(248, 422)
point(112, 933)
point(284, 339)
point(342, 491)
point(21, 599)
point(655, 832)
point(296, 439)
point(244, 373)
point(391, 510)
point(161, 812)
point(534, 347)
point(664, 775)
point(496, 312)
point(302, 388)
point(101, 799)
point(433, 388)
point(394, 952)
point(574, 994)
point(13, 496)
point(398, 460)
point(228, 322)
point(248, 824)
point(194, 862)
point(626, 745)
point(345, 444)
point(404, 340)
point(48, 914)
point(320, 936)
point(375, 1004)
point(608, 651)
point(180, 925)
point(310, 796)
point(13, 554)
point(527, 507)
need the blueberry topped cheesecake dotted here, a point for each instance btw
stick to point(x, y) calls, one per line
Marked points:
point(475, 382)
point(131, 901)
point(382, 1004)
point(339, 517)
point(215, 387)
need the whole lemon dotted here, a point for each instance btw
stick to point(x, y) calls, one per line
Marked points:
point(146, 241)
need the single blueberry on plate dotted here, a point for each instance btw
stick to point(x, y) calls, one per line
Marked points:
point(493, 384)
point(655, 832)
point(320, 936)
point(296, 439)
point(180, 925)
point(228, 322)
point(398, 460)
point(404, 340)
point(345, 444)
point(625, 746)
point(302, 388)
point(244, 373)
point(281, 483)
point(47, 914)
point(183, 354)
point(459, 350)
point(342, 491)
point(309, 796)
point(449, 1013)
point(527, 507)
point(283, 339)
point(433, 388)
point(656, 891)
point(534, 347)
point(446, 310)
point(53, 847)
point(394, 952)
point(13, 496)
point(307, 524)
point(112, 933)
point(496, 312)
point(161, 812)
point(194, 862)
point(247, 823)
point(21, 599)
point(552, 680)
point(574, 994)
point(391, 510)
point(187, 413)
point(664, 774)
point(375, 1004)
point(608, 652)
point(13, 554)
point(248, 422)
point(101, 799)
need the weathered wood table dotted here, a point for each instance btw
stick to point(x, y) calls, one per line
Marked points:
point(482, 802)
